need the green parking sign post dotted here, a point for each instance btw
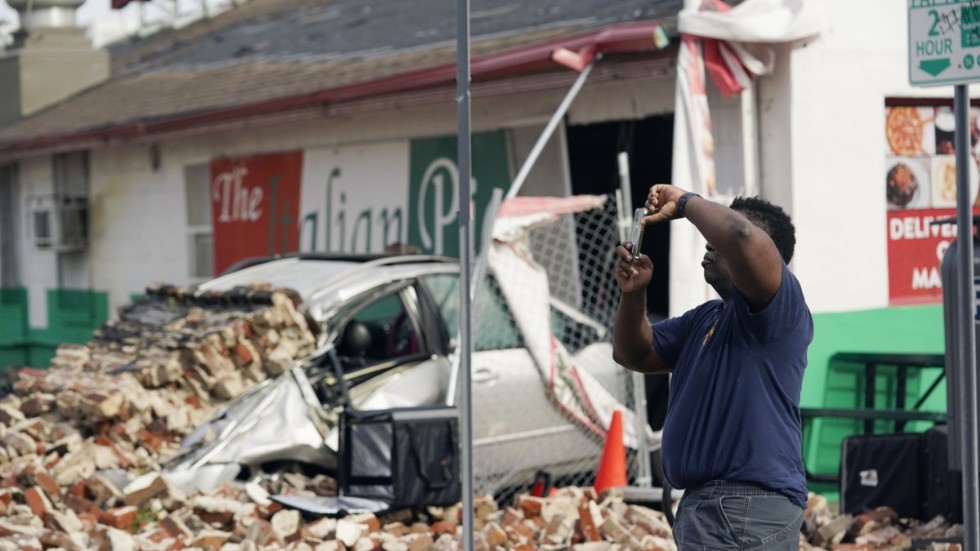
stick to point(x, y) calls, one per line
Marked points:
point(944, 48)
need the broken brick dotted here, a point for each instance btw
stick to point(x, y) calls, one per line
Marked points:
point(590, 519)
point(530, 505)
point(156, 488)
point(119, 517)
point(37, 500)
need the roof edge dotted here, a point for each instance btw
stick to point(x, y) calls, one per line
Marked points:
point(620, 38)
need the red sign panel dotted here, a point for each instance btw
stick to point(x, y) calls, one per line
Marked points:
point(255, 206)
point(915, 252)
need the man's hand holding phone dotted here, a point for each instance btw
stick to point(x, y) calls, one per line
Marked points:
point(636, 233)
point(634, 270)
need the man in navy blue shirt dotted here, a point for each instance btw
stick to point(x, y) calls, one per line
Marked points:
point(732, 437)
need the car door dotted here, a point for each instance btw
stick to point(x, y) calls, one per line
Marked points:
point(390, 352)
point(397, 411)
point(516, 428)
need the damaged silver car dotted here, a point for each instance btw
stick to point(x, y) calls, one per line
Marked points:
point(375, 404)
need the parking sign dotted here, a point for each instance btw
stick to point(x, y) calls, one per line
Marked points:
point(944, 42)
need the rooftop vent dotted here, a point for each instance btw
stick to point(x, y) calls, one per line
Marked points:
point(46, 14)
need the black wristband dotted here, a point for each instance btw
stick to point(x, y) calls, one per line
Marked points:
point(682, 203)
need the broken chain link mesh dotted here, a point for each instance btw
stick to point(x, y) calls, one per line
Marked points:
point(518, 429)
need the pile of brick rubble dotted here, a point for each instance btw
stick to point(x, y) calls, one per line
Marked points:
point(880, 529)
point(114, 408)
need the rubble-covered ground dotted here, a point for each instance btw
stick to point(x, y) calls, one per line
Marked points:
point(880, 529)
point(73, 436)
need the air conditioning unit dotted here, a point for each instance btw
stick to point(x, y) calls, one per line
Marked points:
point(58, 222)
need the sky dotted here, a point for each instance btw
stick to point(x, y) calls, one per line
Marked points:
point(105, 24)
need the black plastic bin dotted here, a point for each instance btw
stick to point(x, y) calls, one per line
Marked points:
point(408, 457)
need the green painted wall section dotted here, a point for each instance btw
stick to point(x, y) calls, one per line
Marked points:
point(72, 317)
point(13, 327)
point(917, 329)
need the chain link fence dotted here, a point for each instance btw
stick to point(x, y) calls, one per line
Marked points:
point(544, 383)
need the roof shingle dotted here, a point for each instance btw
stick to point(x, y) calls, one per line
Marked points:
point(269, 49)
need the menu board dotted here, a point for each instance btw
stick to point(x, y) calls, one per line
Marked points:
point(920, 195)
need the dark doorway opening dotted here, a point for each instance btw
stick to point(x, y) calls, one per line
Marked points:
point(592, 158)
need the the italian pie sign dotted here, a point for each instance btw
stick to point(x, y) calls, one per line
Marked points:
point(920, 193)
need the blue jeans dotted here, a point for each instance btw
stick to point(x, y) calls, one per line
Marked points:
point(736, 516)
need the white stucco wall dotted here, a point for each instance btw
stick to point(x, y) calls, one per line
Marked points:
point(138, 224)
point(836, 143)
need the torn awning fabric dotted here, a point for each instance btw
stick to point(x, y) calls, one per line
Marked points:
point(736, 41)
point(732, 45)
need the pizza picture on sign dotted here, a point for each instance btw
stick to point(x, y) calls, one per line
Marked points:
point(905, 128)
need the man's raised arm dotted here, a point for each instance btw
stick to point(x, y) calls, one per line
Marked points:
point(753, 260)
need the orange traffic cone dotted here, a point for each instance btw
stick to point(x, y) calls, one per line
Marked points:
point(612, 466)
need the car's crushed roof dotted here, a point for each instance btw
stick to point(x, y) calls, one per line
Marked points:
point(311, 273)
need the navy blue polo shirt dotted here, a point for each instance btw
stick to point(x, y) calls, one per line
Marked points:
point(734, 409)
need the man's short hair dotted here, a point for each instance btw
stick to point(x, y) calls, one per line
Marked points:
point(773, 220)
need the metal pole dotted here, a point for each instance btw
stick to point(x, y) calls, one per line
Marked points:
point(465, 262)
point(532, 157)
point(639, 381)
point(624, 197)
point(966, 305)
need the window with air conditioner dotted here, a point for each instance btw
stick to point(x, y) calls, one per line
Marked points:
point(59, 221)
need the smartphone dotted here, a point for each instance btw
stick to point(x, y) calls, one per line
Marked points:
point(636, 234)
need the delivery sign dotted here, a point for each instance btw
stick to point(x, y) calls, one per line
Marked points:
point(255, 206)
point(916, 245)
